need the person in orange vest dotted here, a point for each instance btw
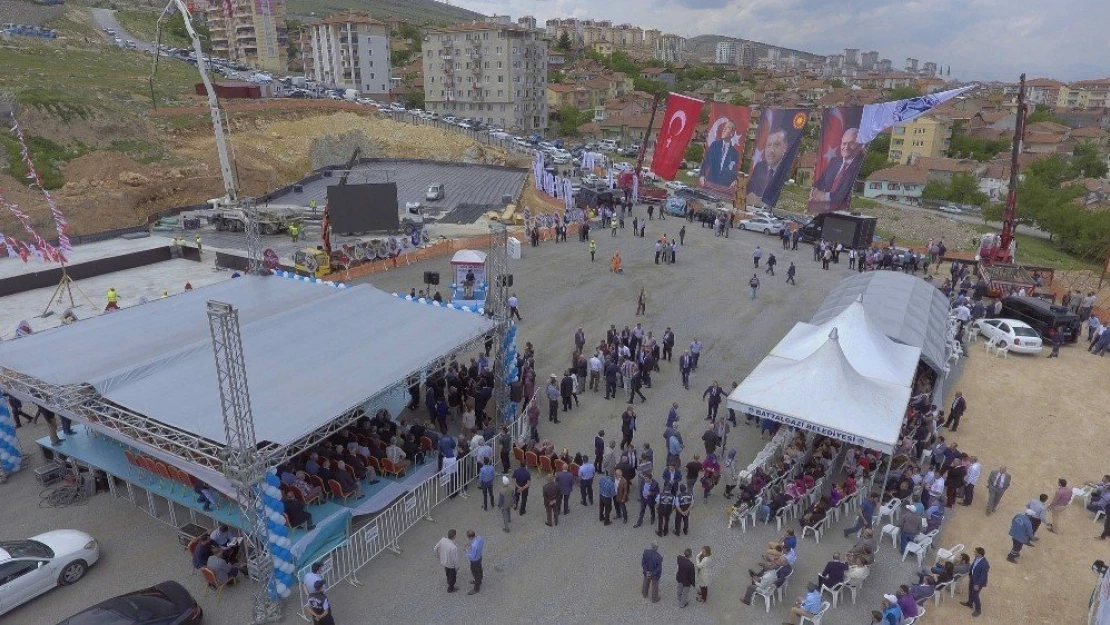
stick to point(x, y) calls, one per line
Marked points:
point(616, 267)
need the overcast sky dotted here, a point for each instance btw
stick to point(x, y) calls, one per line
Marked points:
point(981, 39)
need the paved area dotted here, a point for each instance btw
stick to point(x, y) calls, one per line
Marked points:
point(106, 18)
point(580, 572)
point(463, 184)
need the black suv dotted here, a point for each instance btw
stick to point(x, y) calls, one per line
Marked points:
point(1045, 317)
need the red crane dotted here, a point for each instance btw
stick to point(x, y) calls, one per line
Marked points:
point(998, 248)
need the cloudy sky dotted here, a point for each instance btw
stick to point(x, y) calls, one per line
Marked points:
point(980, 39)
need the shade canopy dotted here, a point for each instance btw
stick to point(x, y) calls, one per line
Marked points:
point(903, 307)
point(468, 257)
point(312, 353)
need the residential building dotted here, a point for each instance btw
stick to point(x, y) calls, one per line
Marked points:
point(659, 73)
point(627, 36)
point(1042, 91)
point(1098, 92)
point(885, 65)
point(528, 22)
point(942, 169)
point(901, 183)
point(604, 48)
point(1093, 135)
point(928, 135)
point(728, 52)
point(851, 57)
point(911, 65)
point(929, 69)
point(869, 60)
point(670, 48)
point(349, 51)
point(995, 179)
point(493, 72)
point(651, 38)
point(259, 32)
point(1073, 97)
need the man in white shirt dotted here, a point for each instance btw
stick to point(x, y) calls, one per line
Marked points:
point(971, 479)
point(595, 373)
point(514, 307)
point(313, 576)
point(448, 553)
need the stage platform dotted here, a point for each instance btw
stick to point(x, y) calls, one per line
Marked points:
point(174, 504)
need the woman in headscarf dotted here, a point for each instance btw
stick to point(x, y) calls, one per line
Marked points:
point(731, 472)
point(710, 474)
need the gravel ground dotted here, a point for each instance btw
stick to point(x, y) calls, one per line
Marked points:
point(596, 569)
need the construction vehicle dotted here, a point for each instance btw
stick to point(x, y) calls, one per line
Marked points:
point(271, 219)
point(312, 262)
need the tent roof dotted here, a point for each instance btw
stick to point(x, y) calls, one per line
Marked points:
point(905, 308)
point(868, 350)
point(312, 353)
point(823, 393)
point(469, 257)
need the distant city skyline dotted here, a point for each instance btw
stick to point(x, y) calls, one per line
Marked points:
point(980, 39)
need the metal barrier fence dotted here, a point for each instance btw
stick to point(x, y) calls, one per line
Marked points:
point(384, 531)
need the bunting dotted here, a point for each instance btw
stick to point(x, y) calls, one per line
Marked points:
point(25, 250)
point(33, 175)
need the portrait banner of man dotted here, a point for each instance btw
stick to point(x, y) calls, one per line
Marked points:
point(776, 144)
point(724, 146)
point(839, 158)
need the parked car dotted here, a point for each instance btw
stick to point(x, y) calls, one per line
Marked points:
point(761, 224)
point(694, 172)
point(167, 603)
point(590, 179)
point(1018, 336)
point(950, 209)
point(675, 185)
point(1044, 317)
point(434, 192)
point(29, 568)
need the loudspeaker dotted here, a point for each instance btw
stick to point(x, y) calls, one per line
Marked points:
point(431, 277)
point(507, 280)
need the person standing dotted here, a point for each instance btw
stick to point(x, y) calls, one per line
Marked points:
point(865, 516)
point(652, 565)
point(319, 606)
point(790, 271)
point(523, 478)
point(606, 490)
point(684, 501)
point(448, 553)
point(474, 548)
point(620, 501)
point(997, 483)
point(712, 396)
point(505, 502)
point(685, 365)
point(1059, 505)
point(1039, 510)
point(593, 250)
point(641, 303)
point(754, 284)
point(1021, 533)
point(682, 235)
point(649, 492)
point(685, 577)
point(565, 480)
point(200, 247)
point(959, 405)
point(756, 255)
point(703, 563)
point(664, 508)
point(551, 494)
point(695, 353)
point(514, 307)
point(974, 470)
point(553, 393)
point(668, 344)
point(586, 474)
point(977, 581)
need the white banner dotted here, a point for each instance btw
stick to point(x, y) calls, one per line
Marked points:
point(879, 117)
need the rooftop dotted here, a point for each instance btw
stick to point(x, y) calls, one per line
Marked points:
point(905, 174)
point(932, 163)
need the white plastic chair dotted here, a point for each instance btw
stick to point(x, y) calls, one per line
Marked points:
point(816, 618)
point(918, 548)
point(938, 592)
point(893, 532)
point(854, 588)
point(834, 591)
point(915, 619)
point(768, 596)
point(1002, 351)
point(948, 555)
point(816, 529)
point(890, 509)
point(989, 345)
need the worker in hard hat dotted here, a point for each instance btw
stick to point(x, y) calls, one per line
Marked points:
point(175, 247)
point(312, 205)
point(199, 250)
point(113, 299)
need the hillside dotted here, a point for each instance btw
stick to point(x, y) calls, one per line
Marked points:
point(416, 11)
point(706, 45)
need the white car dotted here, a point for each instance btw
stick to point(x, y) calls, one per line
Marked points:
point(694, 172)
point(761, 224)
point(1016, 335)
point(29, 568)
point(952, 210)
point(590, 179)
point(675, 185)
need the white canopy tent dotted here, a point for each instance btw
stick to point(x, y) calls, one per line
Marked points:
point(843, 379)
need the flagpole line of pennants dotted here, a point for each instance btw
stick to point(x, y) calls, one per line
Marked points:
point(40, 248)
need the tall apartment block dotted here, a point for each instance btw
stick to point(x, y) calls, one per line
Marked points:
point(349, 51)
point(249, 31)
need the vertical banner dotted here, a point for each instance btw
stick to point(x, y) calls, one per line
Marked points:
point(678, 127)
point(11, 456)
point(879, 117)
point(724, 146)
point(537, 170)
point(839, 158)
point(780, 134)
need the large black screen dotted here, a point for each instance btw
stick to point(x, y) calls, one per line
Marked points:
point(363, 207)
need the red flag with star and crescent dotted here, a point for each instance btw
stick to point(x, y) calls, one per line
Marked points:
point(679, 122)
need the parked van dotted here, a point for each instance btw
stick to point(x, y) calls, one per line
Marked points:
point(1045, 317)
point(609, 145)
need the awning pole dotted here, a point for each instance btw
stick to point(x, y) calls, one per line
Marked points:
point(889, 460)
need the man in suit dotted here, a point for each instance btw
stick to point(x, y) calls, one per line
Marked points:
point(685, 364)
point(977, 581)
point(959, 405)
point(719, 165)
point(771, 170)
point(997, 484)
point(835, 184)
point(834, 572)
point(685, 578)
point(652, 565)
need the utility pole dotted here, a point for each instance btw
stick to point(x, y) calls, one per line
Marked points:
point(241, 464)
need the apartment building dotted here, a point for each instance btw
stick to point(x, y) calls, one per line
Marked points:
point(349, 51)
point(251, 32)
point(493, 72)
point(670, 48)
point(928, 135)
point(728, 52)
point(869, 60)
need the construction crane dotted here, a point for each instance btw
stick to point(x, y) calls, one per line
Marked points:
point(999, 248)
point(231, 200)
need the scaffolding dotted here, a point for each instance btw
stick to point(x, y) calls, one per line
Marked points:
point(497, 296)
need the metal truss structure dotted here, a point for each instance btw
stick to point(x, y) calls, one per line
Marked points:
point(497, 307)
point(241, 462)
point(254, 239)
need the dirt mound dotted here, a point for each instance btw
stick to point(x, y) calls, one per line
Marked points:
point(99, 170)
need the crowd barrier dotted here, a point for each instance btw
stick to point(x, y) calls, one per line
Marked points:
point(384, 531)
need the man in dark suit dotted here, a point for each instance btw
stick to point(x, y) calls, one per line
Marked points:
point(835, 184)
point(652, 565)
point(685, 578)
point(959, 405)
point(833, 573)
point(294, 509)
point(718, 167)
point(685, 363)
point(977, 581)
point(771, 170)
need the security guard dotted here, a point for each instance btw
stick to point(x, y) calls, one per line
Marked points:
point(113, 299)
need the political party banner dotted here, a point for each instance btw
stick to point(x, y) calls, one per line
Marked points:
point(678, 128)
point(776, 144)
point(879, 117)
point(724, 146)
point(839, 158)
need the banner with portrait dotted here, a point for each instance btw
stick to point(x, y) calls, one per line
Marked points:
point(839, 159)
point(776, 145)
point(724, 147)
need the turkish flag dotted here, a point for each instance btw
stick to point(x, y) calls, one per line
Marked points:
point(679, 122)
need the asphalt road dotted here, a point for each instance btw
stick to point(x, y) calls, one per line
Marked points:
point(106, 18)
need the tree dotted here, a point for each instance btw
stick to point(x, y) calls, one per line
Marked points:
point(904, 93)
point(1043, 113)
point(740, 100)
point(564, 42)
point(964, 189)
point(1086, 162)
point(962, 145)
point(935, 190)
point(695, 152)
point(876, 156)
point(415, 99)
point(570, 119)
point(647, 85)
point(176, 28)
point(835, 83)
point(400, 58)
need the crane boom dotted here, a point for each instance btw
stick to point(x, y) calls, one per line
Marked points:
point(231, 189)
point(1009, 215)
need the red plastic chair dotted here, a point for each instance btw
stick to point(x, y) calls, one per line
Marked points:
point(532, 460)
point(545, 464)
